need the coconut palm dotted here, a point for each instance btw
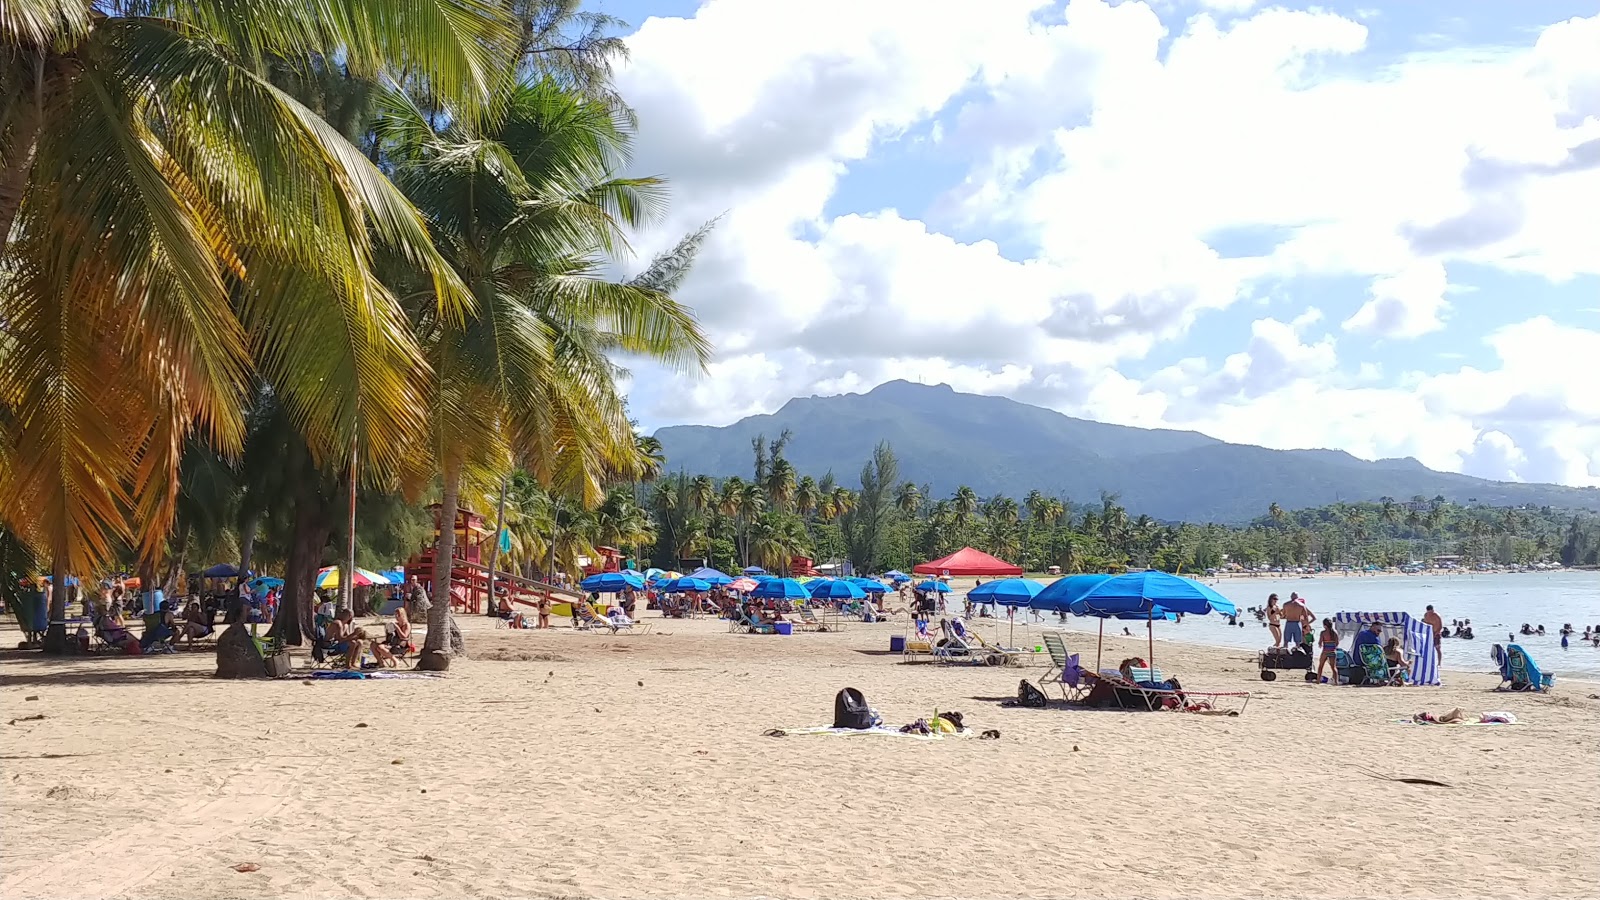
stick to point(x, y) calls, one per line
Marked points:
point(172, 221)
point(806, 496)
point(526, 208)
point(780, 483)
point(908, 498)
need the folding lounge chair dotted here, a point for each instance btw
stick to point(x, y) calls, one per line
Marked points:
point(954, 648)
point(1068, 677)
point(585, 618)
point(1008, 655)
point(1057, 648)
point(1521, 673)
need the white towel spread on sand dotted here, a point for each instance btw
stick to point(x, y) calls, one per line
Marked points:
point(881, 731)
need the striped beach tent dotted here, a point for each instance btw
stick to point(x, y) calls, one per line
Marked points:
point(1417, 635)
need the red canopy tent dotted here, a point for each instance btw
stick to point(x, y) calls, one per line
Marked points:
point(968, 561)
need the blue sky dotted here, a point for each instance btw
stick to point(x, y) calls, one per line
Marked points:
point(1356, 225)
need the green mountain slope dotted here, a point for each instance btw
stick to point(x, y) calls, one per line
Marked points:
point(999, 446)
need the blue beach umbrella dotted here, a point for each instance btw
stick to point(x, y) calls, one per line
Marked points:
point(780, 589)
point(1120, 607)
point(870, 585)
point(1009, 592)
point(256, 584)
point(754, 570)
point(897, 574)
point(711, 576)
point(684, 585)
point(652, 574)
point(1058, 595)
point(1174, 594)
point(936, 586)
point(221, 570)
point(611, 583)
point(835, 589)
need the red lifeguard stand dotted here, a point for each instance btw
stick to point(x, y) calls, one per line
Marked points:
point(605, 559)
point(469, 576)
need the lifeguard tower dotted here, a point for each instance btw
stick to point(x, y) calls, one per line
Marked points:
point(469, 576)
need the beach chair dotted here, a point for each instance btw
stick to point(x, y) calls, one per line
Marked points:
point(1057, 648)
point(585, 618)
point(1068, 676)
point(953, 648)
point(1009, 656)
point(1520, 673)
point(920, 640)
point(810, 622)
point(1375, 665)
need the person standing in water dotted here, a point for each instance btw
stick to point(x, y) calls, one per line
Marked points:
point(1432, 620)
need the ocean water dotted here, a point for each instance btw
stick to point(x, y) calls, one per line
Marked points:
point(1496, 604)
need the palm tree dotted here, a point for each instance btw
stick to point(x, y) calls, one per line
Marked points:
point(780, 484)
point(528, 207)
point(1276, 514)
point(170, 221)
point(964, 503)
point(702, 494)
point(908, 498)
point(806, 496)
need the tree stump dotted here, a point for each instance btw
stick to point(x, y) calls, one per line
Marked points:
point(237, 656)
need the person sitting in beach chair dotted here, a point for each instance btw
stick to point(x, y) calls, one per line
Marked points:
point(195, 623)
point(113, 631)
point(586, 618)
point(1399, 666)
point(619, 618)
point(347, 638)
point(1375, 664)
point(159, 629)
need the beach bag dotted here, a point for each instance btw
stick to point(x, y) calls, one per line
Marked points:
point(850, 710)
point(1030, 696)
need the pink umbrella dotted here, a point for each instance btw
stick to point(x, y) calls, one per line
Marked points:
point(742, 584)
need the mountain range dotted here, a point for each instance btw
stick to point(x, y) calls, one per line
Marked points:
point(995, 445)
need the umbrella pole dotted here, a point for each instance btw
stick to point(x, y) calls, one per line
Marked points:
point(1150, 634)
point(1098, 643)
point(1011, 641)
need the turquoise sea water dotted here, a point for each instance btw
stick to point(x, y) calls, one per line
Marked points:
point(1496, 604)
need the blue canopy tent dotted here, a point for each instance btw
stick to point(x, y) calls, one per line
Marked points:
point(754, 570)
point(1010, 593)
point(1058, 595)
point(711, 576)
point(834, 589)
point(611, 583)
point(780, 589)
point(1145, 592)
point(221, 570)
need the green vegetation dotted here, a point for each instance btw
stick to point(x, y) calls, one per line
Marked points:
point(889, 523)
point(252, 261)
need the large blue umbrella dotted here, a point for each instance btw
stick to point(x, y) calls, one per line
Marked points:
point(754, 570)
point(1120, 607)
point(1059, 594)
point(611, 583)
point(936, 586)
point(780, 589)
point(1012, 592)
point(834, 589)
point(221, 570)
point(264, 581)
point(870, 585)
point(686, 584)
point(711, 576)
point(897, 574)
point(1175, 594)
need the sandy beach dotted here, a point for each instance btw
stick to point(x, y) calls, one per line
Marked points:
point(575, 765)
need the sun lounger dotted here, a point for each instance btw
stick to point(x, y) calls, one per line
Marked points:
point(1010, 656)
point(1518, 672)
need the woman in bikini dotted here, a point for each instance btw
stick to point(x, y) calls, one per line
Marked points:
point(1274, 618)
point(1329, 642)
point(544, 611)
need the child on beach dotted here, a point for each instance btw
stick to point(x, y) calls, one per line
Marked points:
point(1329, 641)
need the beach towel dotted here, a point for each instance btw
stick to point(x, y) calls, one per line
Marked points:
point(879, 730)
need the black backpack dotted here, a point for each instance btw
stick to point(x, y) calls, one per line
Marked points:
point(850, 710)
point(1030, 696)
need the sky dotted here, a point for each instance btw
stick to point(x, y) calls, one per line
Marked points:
point(1371, 226)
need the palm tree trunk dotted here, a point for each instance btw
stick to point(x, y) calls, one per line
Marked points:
point(247, 541)
point(435, 653)
point(55, 637)
point(494, 551)
point(169, 582)
point(296, 609)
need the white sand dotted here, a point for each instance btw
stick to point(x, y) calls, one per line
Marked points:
point(549, 771)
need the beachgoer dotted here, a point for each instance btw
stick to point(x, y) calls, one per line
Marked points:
point(1395, 654)
point(1296, 615)
point(1432, 620)
point(503, 608)
point(1329, 641)
point(348, 637)
point(1274, 620)
point(195, 623)
point(1372, 634)
point(544, 610)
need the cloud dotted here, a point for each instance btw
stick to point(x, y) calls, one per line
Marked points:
point(1405, 305)
point(1099, 151)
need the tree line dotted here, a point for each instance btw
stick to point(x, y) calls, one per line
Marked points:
point(885, 522)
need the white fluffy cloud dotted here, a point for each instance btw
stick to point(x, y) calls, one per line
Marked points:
point(1111, 161)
